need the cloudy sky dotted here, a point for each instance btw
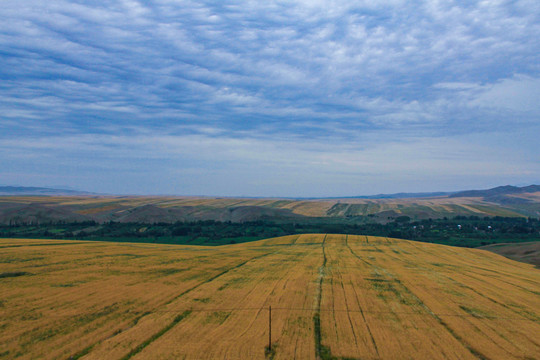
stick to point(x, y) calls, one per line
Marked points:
point(269, 98)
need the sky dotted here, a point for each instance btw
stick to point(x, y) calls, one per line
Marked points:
point(269, 98)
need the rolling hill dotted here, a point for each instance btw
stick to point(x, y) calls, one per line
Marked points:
point(332, 297)
point(42, 191)
point(506, 201)
point(497, 191)
point(528, 252)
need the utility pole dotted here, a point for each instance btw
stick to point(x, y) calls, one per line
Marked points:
point(269, 328)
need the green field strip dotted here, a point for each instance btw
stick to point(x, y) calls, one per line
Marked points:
point(156, 336)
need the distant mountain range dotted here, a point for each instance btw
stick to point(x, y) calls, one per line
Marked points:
point(25, 190)
point(500, 190)
point(493, 193)
point(401, 195)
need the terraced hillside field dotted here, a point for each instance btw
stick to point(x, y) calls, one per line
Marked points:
point(169, 209)
point(332, 296)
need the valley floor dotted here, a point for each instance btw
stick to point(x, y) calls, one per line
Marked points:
point(332, 296)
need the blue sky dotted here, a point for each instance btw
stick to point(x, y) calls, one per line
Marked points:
point(265, 98)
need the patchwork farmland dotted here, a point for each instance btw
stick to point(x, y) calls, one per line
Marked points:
point(332, 297)
point(30, 209)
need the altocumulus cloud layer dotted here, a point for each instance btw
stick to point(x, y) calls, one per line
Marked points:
point(288, 98)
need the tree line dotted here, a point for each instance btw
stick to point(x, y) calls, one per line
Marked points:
point(471, 231)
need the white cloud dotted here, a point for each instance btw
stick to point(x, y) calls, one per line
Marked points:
point(520, 93)
point(237, 76)
point(276, 161)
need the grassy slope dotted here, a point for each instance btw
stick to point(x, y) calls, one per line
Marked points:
point(528, 252)
point(332, 296)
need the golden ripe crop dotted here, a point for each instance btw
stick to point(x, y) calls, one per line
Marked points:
point(332, 296)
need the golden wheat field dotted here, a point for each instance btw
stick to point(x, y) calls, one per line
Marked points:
point(332, 297)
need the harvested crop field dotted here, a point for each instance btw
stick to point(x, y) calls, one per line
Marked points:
point(149, 209)
point(332, 296)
